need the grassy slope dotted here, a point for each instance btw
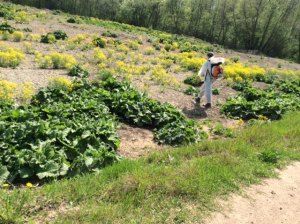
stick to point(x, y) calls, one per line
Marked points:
point(174, 186)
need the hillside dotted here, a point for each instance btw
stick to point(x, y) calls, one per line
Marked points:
point(81, 96)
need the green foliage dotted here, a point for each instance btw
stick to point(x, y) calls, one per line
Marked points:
point(187, 47)
point(168, 47)
point(65, 132)
point(56, 12)
point(269, 155)
point(12, 206)
point(105, 74)
point(27, 30)
point(240, 86)
point(78, 71)
point(251, 103)
point(6, 11)
point(71, 20)
point(216, 91)
point(190, 90)
point(194, 80)
point(109, 34)
point(235, 59)
point(58, 35)
point(99, 42)
point(219, 129)
point(4, 26)
point(178, 133)
point(263, 78)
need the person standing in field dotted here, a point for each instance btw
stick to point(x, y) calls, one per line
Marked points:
point(206, 88)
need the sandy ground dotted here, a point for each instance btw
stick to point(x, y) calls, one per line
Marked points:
point(277, 201)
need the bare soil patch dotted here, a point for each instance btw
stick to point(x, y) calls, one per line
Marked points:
point(276, 201)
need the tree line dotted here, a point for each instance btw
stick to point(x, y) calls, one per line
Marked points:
point(269, 26)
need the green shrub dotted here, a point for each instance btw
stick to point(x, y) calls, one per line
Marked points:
point(6, 27)
point(78, 71)
point(99, 42)
point(56, 12)
point(109, 34)
point(168, 47)
point(190, 90)
point(269, 155)
point(71, 20)
point(194, 80)
point(235, 59)
point(27, 30)
point(216, 91)
point(59, 35)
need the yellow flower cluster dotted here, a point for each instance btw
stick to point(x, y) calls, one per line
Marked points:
point(41, 14)
point(18, 36)
point(78, 39)
point(34, 37)
point(28, 48)
point(10, 57)
point(26, 92)
point(167, 63)
point(55, 60)
point(122, 48)
point(238, 71)
point(7, 90)
point(189, 62)
point(135, 58)
point(133, 45)
point(5, 185)
point(4, 35)
point(149, 51)
point(283, 73)
point(159, 75)
point(154, 61)
point(128, 70)
point(21, 17)
point(61, 83)
point(98, 57)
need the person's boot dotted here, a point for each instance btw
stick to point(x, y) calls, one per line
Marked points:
point(208, 105)
point(197, 100)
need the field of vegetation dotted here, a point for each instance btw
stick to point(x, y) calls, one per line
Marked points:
point(81, 97)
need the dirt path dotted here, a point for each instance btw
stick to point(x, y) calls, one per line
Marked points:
point(277, 201)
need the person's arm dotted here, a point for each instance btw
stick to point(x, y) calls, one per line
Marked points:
point(203, 69)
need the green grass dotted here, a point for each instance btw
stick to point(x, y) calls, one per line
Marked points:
point(174, 186)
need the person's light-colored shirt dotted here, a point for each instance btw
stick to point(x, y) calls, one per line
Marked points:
point(206, 66)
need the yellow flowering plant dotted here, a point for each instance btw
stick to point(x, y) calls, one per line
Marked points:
point(17, 36)
point(10, 57)
point(7, 90)
point(61, 83)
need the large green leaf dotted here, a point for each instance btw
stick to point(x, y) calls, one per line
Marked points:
point(3, 174)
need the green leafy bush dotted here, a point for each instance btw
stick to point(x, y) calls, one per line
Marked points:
point(109, 34)
point(99, 42)
point(51, 37)
point(221, 130)
point(4, 26)
point(240, 86)
point(63, 133)
point(194, 80)
point(251, 103)
point(192, 91)
point(78, 71)
point(60, 35)
point(56, 12)
point(216, 91)
point(269, 155)
point(71, 20)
